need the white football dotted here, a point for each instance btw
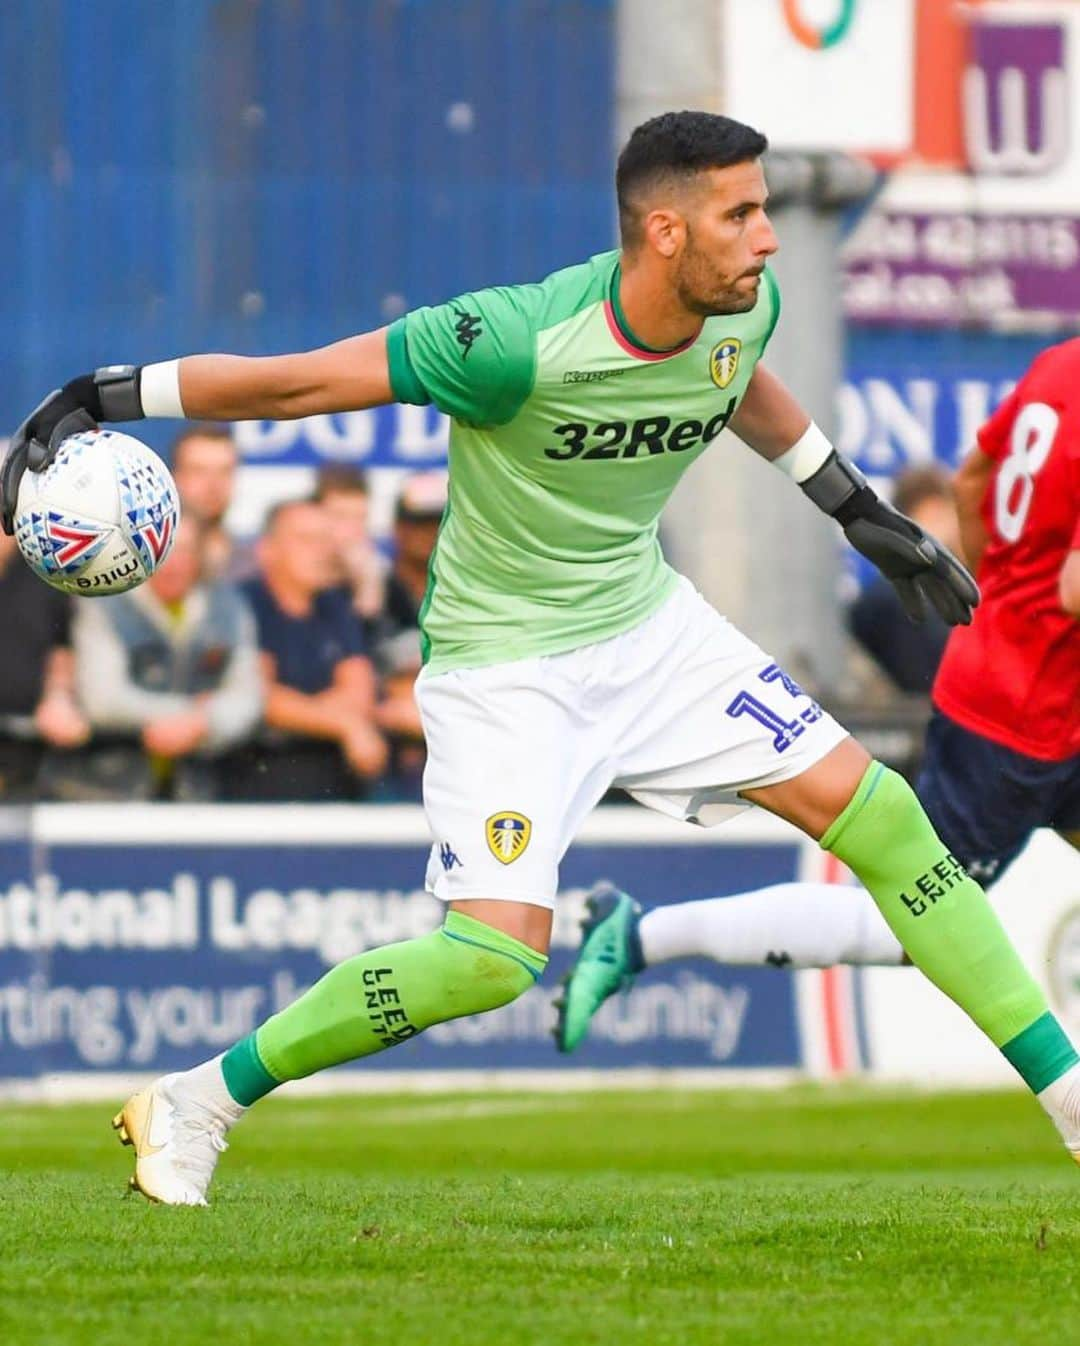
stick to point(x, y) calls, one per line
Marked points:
point(102, 516)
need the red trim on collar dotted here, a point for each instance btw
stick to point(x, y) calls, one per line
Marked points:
point(636, 351)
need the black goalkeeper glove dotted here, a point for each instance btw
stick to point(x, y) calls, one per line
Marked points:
point(922, 570)
point(109, 394)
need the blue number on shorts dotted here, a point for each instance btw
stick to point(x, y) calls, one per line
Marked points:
point(784, 732)
point(774, 673)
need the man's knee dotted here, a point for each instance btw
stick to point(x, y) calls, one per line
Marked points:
point(481, 969)
point(523, 921)
point(813, 800)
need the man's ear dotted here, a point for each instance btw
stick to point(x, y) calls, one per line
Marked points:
point(665, 231)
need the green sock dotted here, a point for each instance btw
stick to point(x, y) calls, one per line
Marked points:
point(381, 998)
point(945, 924)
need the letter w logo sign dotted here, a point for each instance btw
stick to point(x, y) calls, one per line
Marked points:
point(1016, 97)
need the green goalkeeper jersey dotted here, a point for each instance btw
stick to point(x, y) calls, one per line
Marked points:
point(567, 438)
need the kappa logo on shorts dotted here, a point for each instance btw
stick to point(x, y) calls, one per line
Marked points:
point(507, 836)
point(724, 361)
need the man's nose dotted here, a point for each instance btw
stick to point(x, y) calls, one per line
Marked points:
point(765, 240)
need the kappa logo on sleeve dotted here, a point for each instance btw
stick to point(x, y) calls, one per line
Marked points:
point(467, 329)
point(507, 836)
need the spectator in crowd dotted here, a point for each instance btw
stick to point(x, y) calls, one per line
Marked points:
point(38, 709)
point(417, 517)
point(174, 666)
point(342, 491)
point(907, 653)
point(320, 706)
point(204, 463)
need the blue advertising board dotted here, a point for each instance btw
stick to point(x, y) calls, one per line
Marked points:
point(138, 940)
point(392, 436)
point(911, 397)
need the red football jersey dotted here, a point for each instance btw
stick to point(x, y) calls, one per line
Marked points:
point(1013, 675)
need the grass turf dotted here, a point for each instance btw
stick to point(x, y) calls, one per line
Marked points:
point(800, 1217)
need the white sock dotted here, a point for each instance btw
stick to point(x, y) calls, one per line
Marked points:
point(206, 1084)
point(790, 925)
point(1062, 1101)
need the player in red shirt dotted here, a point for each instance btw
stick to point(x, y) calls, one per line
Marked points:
point(1002, 748)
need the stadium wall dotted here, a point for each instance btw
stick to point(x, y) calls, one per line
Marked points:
point(140, 939)
point(225, 175)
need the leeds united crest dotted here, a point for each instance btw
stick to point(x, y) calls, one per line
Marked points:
point(724, 361)
point(507, 835)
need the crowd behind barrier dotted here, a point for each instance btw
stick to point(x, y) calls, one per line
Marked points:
point(281, 668)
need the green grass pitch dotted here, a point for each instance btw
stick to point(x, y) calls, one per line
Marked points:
point(806, 1216)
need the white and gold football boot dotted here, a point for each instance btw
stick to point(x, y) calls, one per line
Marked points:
point(177, 1139)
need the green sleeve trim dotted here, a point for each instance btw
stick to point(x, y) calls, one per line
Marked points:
point(774, 291)
point(404, 383)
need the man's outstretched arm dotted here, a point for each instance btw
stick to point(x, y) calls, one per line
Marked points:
point(922, 570)
point(348, 375)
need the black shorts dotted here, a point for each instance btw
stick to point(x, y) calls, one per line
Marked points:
point(985, 800)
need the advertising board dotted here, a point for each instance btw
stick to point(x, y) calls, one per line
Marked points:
point(146, 939)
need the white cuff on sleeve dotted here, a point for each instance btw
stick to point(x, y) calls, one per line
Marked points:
point(159, 389)
point(806, 455)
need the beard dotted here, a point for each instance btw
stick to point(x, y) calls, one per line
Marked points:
point(705, 293)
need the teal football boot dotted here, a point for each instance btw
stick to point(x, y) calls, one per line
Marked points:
point(608, 960)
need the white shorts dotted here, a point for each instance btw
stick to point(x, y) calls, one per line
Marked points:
point(682, 711)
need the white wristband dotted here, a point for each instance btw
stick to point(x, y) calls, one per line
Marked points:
point(805, 456)
point(159, 389)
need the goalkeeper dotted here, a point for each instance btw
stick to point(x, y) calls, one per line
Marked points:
point(562, 653)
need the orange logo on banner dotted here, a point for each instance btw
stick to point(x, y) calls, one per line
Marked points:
point(819, 36)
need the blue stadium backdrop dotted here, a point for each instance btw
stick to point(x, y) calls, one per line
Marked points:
point(222, 175)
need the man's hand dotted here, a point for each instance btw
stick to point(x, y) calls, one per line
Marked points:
point(34, 445)
point(363, 746)
point(176, 735)
point(60, 722)
point(922, 570)
point(109, 394)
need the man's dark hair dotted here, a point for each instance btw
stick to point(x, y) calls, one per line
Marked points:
point(199, 430)
point(677, 145)
point(340, 479)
